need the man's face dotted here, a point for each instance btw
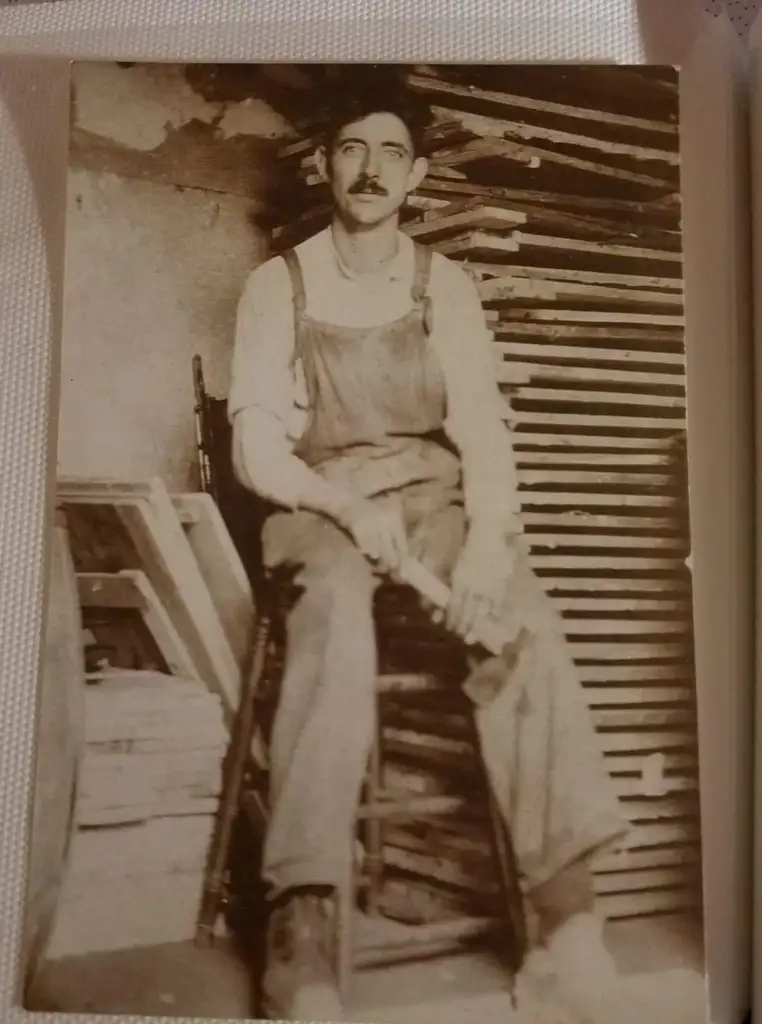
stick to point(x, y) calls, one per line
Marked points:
point(372, 168)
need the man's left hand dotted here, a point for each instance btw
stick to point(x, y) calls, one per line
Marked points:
point(480, 581)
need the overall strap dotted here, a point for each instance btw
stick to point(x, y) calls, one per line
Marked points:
point(294, 267)
point(419, 290)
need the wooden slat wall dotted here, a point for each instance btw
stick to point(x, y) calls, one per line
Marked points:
point(567, 215)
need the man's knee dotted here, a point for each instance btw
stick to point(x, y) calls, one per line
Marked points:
point(340, 574)
point(328, 562)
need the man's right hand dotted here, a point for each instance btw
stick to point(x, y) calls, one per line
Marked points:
point(378, 529)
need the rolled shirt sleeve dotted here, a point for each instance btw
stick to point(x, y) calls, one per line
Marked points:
point(261, 373)
point(476, 408)
point(262, 395)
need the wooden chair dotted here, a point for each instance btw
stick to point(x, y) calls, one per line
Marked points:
point(420, 667)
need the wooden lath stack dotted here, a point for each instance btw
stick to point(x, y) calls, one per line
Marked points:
point(558, 191)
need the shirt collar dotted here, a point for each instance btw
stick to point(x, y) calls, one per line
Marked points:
point(400, 268)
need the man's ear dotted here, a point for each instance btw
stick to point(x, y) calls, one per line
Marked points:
point(321, 160)
point(418, 172)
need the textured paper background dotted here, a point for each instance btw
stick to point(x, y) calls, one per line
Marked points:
point(741, 12)
point(34, 95)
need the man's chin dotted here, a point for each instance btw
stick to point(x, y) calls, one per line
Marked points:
point(370, 213)
point(366, 223)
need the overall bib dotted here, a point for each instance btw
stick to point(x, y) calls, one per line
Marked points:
point(377, 407)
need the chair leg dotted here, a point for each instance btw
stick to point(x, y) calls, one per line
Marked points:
point(346, 911)
point(511, 889)
point(374, 830)
point(234, 773)
point(508, 873)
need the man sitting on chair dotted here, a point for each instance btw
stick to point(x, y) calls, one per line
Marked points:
point(364, 405)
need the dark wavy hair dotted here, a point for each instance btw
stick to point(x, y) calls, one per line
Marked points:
point(374, 90)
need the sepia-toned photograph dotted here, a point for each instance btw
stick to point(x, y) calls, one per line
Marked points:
point(368, 687)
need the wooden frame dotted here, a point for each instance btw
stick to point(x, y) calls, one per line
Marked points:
point(131, 589)
point(146, 512)
point(221, 567)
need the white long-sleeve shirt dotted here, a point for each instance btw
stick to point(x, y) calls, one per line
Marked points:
point(267, 394)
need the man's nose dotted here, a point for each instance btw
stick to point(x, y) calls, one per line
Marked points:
point(372, 165)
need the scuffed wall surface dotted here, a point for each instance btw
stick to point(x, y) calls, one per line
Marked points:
point(164, 186)
point(154, 277)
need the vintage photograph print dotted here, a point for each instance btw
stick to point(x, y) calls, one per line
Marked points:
point(369, 688)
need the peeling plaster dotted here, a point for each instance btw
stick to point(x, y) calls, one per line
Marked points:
point(253, 117)
point(137, 107)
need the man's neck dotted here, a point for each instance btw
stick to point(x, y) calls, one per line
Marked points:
point(366, 251)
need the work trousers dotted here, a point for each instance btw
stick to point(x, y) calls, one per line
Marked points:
point(541, 752)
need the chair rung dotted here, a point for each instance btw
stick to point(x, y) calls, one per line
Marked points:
point(410, 682)
point(413, 806)
point(428, 940)
point(257, 814)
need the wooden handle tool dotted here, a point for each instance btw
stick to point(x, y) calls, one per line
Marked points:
point(416, 575)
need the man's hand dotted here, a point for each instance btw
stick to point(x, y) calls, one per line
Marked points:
point(479, 582)
point(378, 529)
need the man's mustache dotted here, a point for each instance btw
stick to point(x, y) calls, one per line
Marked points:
point(367, 185)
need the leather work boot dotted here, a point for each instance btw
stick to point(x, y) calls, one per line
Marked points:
point(301, 975)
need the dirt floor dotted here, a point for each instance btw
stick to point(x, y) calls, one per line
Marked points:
point(660, 954)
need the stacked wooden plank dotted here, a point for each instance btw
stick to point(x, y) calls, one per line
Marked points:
point(567, 216)
point(149, 788)
point(155, 744)
point(155, 739)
